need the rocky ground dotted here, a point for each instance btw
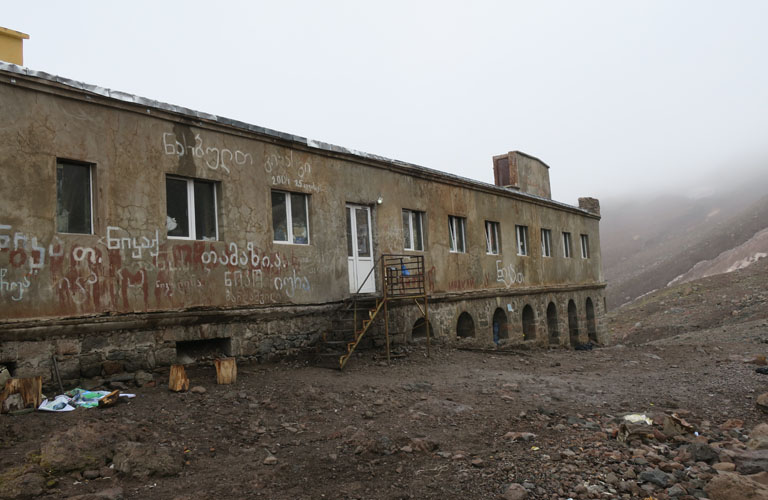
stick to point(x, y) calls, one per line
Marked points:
point(535, 424)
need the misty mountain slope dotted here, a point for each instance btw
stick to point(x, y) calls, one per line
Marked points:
point(742, 256)
point(645, 247)
point(719, 301)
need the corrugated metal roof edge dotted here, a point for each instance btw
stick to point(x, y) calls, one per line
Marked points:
point(323, 146)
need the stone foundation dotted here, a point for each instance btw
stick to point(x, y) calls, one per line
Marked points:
point(88, 348)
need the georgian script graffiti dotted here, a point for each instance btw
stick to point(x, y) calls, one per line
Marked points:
point(507, 275)
point(137, 246)
point(214, 158)
point(16, 288)
point(287, 172)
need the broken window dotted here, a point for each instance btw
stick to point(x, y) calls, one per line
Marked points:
point(546, 243)
point(73, 198)
point(290, 217)
point(457, 229)
point(413, 235)
point(522, 239)
point(492, 238)
point(566, 245)
point(191, 209)
point(584, 246)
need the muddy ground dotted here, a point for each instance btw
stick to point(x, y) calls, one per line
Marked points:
point(536, 424)
point(420, 428)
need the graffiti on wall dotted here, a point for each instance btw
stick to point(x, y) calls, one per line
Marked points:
point(506, 274)
point(214, 158)
point(122, 271)
point(285, 171)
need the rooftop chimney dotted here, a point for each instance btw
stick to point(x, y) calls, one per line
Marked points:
point(11, 46)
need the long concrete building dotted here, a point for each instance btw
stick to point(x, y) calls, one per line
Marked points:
point(132, 230)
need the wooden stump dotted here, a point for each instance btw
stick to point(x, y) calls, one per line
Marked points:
point(178, 381)
point(30, 389)
point(226, 371)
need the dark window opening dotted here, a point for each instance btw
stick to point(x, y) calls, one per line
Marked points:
point(73, 198)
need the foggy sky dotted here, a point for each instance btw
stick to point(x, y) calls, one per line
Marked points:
point(618, 98)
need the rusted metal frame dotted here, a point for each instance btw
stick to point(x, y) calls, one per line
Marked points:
point(426, 325)
point(351, 346)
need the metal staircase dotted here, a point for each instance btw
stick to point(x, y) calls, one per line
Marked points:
point(403, 277)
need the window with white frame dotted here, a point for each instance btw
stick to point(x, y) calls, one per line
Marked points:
point(492, 238)
point(191, 208)
point(546, 243)
point(521, 233)
point(566, 245)
point(584, 246)
point(413, 233)
point(457, 230)
point(290, 217)
point(74, 205)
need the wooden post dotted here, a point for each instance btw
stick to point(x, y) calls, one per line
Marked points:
point(178, 381)
point(226, 371)
point(30, 389)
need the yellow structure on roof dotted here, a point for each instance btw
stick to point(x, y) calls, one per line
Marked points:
point(11, 46)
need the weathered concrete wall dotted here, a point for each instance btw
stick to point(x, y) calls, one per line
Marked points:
point(532, 174)
point(129, 266)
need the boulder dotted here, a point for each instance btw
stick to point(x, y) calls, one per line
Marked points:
point(730, 486)
point(515, 491)
point(81, 447)
point(142, 460)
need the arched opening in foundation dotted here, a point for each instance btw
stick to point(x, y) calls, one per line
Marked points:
point(552, 329)
point(573, 323)
point(465, 327)
point(419, 330)
point(500, 328)
point(591, 326)
point(529, 323)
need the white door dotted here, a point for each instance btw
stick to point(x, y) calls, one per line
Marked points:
point(360, 250)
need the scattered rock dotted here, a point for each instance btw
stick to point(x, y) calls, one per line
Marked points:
point(22, 482)
point(676, 491)
point(730, 486)
point(762, 402)
point(515, 491)
point(751, 461)
point(655, 476)
point(758, 438)
point(757, 360)
point(520, 436)
point(701, 452)
point(142, 378)
point(110, 494)
point(81, 447)
point(141, 460)
point(270, 460)
point(198, 389)
point(91, 474)
point(725, 466)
